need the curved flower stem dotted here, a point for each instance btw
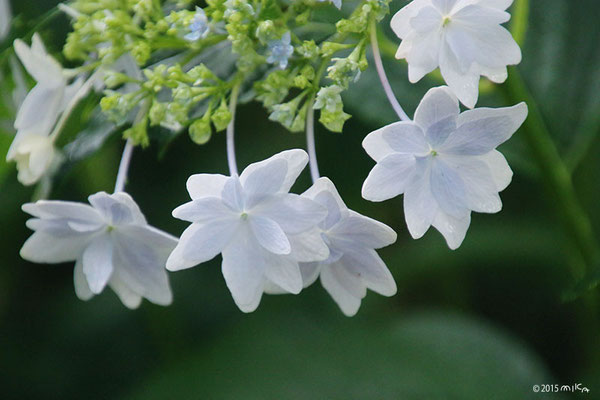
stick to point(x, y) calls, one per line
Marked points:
point(310, 140)
point(382, 76)
point(556, 174)
point(124, 166)
point(233, 170)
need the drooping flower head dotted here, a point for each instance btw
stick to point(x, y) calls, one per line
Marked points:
point(463, 38)
point(110, 242)
point(260, 228)
point(32, 148)
point(199, 27)
point(444, 162)
point(280, 51)
point(353, 265)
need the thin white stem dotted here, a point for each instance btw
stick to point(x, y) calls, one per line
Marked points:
point(233, 170)
point(124, 166)
point(310, 141)
point(383, 77)
point(81, 93)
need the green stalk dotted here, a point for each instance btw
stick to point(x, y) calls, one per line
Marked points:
point(555, 174)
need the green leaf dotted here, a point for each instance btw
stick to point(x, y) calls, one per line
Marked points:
point(424, 356)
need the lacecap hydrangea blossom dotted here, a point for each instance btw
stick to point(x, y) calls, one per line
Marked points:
point(110, 242)
point(464, 38)
point(33, 147)
point(170, 68)
point(261, 229)
point(444, 162)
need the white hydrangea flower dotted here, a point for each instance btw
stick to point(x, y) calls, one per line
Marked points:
point(110, 242)
point(32, 148)
point(5, 17)
point(261, 230)
point(463, 37)
point(444, 162)
point(353, 265)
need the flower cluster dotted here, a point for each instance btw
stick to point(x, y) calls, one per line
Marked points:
point(184, 69)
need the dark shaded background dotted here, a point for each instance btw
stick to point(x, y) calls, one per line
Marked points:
point(483, 322)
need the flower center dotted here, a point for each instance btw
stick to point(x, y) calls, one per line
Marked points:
point(433, 153)
point(244, 216)
point(445, 21)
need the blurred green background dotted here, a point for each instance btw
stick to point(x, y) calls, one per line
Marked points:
point(483, 322)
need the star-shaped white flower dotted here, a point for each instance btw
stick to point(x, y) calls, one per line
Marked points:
point(463, 37)
point(110, 242)
point(32, 148)
point(353, 265)
point(198, 27)
point(261, 230)
point(444, 162)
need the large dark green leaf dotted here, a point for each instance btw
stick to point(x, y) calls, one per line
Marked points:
point(424, 356)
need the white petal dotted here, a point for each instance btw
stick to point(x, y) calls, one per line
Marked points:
point(203, 210)
point(419, 205)
point(334, 279)
point(40, 110)
point(270, 235)
point(481, 194)
point(128, 297)
point(293, 213)
point(389, 177)
point(117, 209)
point(206, 185)
point(427, 19)
point(438, 104)
point(448, 188)
point(406, 138)
point(264, 180)
point(98, 263)
point(474, 15)
point(40, 65)
point(359, 231)
point(495, 46)
point(243, 270)
point(63, 209)
point(324, 192)
point(200, 243)
point(82, 289)
point(482, 130)
point(501, 172)
point(366, 265)
point(296, 161)
point(45, 248)
point(445, 6)
point(453, 229)
point(400, 22)
point(464, 85)
point(422, 53)
point(284, 272)
point(438, 132)
point(309, 246)
point(233, 194)
point(140, 257)
point(310, 272)
point(499, 4)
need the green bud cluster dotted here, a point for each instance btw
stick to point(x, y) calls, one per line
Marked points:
point(180, 91)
